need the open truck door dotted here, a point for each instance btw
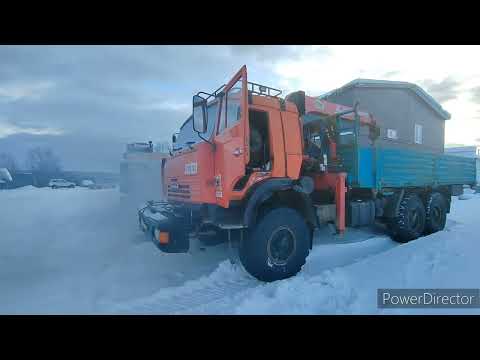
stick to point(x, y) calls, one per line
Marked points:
point(232, 137)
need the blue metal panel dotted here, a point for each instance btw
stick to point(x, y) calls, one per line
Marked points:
point(366, 168)
point(404, 168)
point(380, 168)
point(366, 173)
point(455, 170)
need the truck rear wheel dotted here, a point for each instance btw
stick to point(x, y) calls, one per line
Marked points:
point(277, 246)
point(409, 223)
point(436, 213)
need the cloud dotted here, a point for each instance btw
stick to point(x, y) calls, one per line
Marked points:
point(166, 105)
point(276, 53)
point(8, 129)
point(442, 91)
point(123, 91)
point(390, 74)
point(266, 53)
point(114, 94)
point(18, 91)
point(102, 96)
point(475, 92)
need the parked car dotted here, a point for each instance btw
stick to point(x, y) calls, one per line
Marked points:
point(87, 183)
point(60, 183)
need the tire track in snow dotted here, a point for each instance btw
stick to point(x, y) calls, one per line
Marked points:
point(231, 283)
point(226, 280)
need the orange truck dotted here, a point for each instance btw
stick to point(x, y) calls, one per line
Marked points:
point(263, 172)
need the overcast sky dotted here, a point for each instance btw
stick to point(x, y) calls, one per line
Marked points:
point(86, 102)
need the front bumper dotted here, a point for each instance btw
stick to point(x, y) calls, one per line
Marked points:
point(159, 217)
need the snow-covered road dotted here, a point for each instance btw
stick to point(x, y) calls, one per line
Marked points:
point(79, 251)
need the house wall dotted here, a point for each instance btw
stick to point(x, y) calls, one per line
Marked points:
point(398, 109)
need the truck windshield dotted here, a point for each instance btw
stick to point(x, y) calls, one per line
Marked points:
point(188, 135)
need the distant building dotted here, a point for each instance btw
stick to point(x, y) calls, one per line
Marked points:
point(408, 117)
point(18, 179)
point(141, 170)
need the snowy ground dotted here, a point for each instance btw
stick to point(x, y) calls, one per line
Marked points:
point(79, 251)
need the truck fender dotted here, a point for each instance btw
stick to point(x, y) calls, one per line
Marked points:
point(261, 192)
point(265, 189)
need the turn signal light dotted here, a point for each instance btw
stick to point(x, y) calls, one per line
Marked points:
point(163, 237)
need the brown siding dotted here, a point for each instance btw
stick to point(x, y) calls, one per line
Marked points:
point(398, 109)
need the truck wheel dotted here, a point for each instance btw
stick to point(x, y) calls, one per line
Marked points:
point(410, 221)
point(277, 246)
point(436, 213)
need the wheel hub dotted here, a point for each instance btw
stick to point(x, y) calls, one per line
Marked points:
point(281, 246)
point(414, 218)
point(436, 213)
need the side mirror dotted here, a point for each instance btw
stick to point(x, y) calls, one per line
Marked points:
point(200, 119)
point(174, 138)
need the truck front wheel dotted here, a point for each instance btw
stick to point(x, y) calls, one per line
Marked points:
point(409, 223)
point(277, 246)
point(436, 211)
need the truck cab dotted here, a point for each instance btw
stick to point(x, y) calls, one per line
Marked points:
point(227, 145)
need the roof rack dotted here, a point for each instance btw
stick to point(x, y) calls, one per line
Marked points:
point(256, 89)
point(264, 90)
point(252, 87)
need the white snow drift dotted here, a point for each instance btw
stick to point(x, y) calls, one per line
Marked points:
point(80, 251)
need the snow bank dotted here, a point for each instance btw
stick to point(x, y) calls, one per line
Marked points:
point(78, 251)
point(447, 259)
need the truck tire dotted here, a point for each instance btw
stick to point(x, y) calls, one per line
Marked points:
point(277, 246)
point(409, 224)
point(436, 213)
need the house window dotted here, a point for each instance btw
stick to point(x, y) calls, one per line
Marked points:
point(418, 134)
point(392, 134)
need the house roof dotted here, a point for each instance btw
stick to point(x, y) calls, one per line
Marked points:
point(393, 84)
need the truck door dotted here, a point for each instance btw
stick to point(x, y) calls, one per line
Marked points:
point(231, 140)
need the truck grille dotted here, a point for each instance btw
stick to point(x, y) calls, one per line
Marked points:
point(178, 191)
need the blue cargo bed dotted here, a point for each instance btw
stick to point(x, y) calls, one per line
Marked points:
point(389, 168)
